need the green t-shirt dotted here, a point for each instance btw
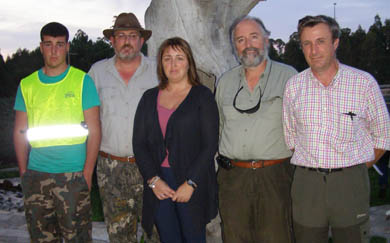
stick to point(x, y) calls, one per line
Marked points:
point(67, 158)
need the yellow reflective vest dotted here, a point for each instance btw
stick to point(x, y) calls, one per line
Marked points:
point(54, 110)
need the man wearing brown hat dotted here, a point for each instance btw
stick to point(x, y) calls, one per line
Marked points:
point(121, 81)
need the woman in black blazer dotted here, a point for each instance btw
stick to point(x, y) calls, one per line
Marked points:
point(175, 139)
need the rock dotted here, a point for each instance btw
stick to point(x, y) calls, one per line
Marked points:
point(6, 185)
point(204, 24)
point(11, 197)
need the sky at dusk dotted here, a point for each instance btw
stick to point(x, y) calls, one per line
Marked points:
point(21, 20)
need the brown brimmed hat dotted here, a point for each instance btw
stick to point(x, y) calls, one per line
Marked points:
point(126, 21)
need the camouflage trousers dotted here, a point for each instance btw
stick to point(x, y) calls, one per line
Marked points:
point(121, 188)
point(57, 207)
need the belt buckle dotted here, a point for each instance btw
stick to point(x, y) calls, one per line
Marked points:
point(253, 164)
point(128, 158)
point(324, 172)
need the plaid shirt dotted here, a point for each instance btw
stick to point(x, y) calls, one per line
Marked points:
point(338, 125)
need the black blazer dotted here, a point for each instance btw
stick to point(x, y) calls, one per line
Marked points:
point(192, 141)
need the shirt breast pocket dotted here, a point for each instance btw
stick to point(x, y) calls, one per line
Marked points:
point(230, 113)
point(346, 126)
point(108, 95)
point(271, 109)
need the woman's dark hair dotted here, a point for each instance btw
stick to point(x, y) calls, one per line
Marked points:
point(176, 43)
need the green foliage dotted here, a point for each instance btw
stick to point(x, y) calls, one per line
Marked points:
point(374, 187)
point(96, 204)
point(84, 52)
point(367, 51)
point(16, 67)
point(275, 49)
point(293, 54)
point(9, 174)
point(6, 129)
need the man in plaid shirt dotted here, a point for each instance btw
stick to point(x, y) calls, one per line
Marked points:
point(336, 122)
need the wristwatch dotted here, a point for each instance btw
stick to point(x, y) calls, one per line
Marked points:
point(192, 183)
point(152, 184)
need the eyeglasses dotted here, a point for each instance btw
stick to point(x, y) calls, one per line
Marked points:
point(257, 106)
point(123, 37)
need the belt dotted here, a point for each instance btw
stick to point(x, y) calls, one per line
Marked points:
point(325, 171)
point(255, 164)
point(130, 159)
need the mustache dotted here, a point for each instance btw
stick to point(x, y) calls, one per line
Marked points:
point(126, 46)
point(248, 49)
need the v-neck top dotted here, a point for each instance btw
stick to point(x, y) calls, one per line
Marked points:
point(163, 117)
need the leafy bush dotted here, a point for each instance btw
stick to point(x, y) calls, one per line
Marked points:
point(7, 153)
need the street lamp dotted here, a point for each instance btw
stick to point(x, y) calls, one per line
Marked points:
point(334, 11)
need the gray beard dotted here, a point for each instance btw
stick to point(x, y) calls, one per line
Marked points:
point(126, 57)
point(258, 58)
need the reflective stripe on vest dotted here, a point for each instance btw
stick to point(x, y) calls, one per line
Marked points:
point(50, 106)
point(56, 132)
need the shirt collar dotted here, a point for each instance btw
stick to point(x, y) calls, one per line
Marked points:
point(335, 79)
point(263, 76)
point(111, 68)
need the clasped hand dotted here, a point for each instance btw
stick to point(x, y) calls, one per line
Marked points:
point(182, 194)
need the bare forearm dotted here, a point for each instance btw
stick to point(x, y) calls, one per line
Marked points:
point(20, 140)
point(21, 150)
point(93, 145)
point(378, 154)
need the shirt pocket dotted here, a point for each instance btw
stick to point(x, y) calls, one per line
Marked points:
point(108, 96)
point(230, 113)
point(346, 126)
point(271, 109)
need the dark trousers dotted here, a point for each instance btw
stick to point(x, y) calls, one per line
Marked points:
point(173, 219)
point(255, 205)
point(383, 165)
point(339, 201)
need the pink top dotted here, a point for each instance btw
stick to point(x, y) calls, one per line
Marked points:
point(163, 116)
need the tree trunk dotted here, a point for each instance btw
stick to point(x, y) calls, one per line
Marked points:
point(204, 24)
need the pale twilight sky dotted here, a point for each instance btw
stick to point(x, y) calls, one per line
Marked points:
point(21, 20)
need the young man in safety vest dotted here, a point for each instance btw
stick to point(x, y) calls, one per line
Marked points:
point(57, 108)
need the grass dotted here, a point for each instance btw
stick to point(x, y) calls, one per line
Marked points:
point(8, 174)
